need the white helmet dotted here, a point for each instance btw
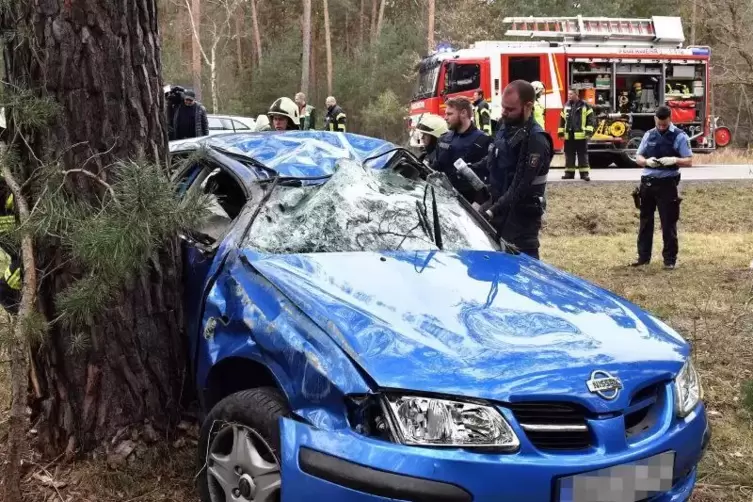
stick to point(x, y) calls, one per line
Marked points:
point(286, 108)
point(538, 87)
point(431, 124)
point(262, 123)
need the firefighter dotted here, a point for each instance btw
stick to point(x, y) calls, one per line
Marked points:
point(335, 118)
point(538, 105)
point(283, 114)
point(431, 128)
point(10, 262)
point(306, 112)
point(518, 170)
point(464, 144)
point(482, 115)
point(662, 152)
point(577, 122)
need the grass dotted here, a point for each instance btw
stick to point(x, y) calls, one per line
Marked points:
point(590, 231)
point(728, 155)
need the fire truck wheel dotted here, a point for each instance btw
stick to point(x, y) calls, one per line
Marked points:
point(627, 160)
point(601, 160)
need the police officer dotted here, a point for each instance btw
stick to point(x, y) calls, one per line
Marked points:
point(335, 119)
point(538, 105)
point(283, 114)
point(662, 152)
point(518, 170)
point(10, 262)
point(577, 122)
point(431, 128)
point(482, 115)
point(464, 144)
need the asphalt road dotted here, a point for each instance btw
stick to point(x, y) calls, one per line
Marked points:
point(695, 173)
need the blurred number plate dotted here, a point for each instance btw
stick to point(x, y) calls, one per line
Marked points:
point(621, 483)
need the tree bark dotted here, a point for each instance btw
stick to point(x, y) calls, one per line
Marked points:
point(239, 17)
point(257, 33)
point(133, 367)
point(374, 14)
point(380, 20)
point(328, 42)
point(196, 47)
point(362, 18)
point(430, 23)
point(306, 62)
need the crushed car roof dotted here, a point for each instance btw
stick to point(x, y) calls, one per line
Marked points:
point(298, 153)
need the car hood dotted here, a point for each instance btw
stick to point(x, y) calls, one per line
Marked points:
point(477, 324)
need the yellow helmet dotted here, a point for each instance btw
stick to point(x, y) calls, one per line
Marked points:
point(286, 108)
point(431, 124)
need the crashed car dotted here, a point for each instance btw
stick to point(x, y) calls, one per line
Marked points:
point(358, 333)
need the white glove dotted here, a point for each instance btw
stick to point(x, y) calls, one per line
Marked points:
point(668, 161)
point(476, 206)
point(653, 162)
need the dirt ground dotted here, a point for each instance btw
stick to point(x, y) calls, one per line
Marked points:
point(590, 231)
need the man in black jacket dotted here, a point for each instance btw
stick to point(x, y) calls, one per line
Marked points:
point(482, 114)
point(190, 120)
point(518, 169)
point(335, 120)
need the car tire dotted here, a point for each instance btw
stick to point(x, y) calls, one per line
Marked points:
point(625, 160)
point(245, 419)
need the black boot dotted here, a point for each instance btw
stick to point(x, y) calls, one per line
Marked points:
point(584, 176)
point(569, 175)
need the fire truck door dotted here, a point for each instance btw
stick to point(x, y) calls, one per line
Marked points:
point(528, 68)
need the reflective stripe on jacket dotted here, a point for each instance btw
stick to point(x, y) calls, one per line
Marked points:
point(335, 120)
point(580, 123)
point(482, 117)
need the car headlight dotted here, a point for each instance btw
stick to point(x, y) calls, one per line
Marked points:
point(688, 390)
point(428, 421)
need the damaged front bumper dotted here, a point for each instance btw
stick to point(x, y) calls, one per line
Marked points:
point(345, 466)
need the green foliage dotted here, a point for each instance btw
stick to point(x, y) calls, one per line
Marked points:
point(383, 117)
point(26, 109)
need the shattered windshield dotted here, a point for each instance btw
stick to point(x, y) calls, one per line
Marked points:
point(361, 209)
point(427, 82)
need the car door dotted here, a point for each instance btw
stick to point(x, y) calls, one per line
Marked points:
point(201, 246)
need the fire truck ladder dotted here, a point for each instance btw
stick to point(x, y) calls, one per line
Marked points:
point(601, 30)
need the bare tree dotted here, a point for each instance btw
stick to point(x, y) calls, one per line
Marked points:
point(328, 42)
point(195, 16)
point(239, 18)
point(257, 33)
point(374, 11)
point(430, 23)
point(380, 19)
point(217, 31)
point(362, 18)
point(306, 62)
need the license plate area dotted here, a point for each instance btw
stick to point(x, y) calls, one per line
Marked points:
point(631, 482)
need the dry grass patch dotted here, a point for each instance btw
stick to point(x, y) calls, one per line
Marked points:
point(727, 156)
point(708, 299)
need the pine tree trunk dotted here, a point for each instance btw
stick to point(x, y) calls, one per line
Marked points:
point(430, 31)
point(328, 42)
point(380, 20)
point(196, 48)
point(257, 33)
point(374, 14)
point(239, 17)
point(306, 62)
point(133, 367)
point(362, 17)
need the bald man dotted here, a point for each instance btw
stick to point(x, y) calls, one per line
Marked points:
point(335, 118)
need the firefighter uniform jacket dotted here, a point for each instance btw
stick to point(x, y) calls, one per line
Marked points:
point(335, 119)
point(577, 121)
point(538, 113)
point(482, 116)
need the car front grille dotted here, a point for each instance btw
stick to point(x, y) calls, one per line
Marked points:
point(644, 409)
point(553, 426)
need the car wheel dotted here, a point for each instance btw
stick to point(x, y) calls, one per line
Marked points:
point(601, 160)
point(239, 447)
point(627, 160)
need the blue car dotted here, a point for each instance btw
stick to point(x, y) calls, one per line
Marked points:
point(357, 333)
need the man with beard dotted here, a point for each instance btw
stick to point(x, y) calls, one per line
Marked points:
point(462, 145)
point(518, 168)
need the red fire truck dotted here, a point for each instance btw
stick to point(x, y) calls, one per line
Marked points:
point(625, 68)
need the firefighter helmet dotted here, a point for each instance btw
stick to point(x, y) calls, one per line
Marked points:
point(538, 87)
point(286, 108)
point(262, 123)
point(431, 124)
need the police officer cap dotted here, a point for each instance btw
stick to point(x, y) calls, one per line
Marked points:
point(431, 124)
point(286, 108)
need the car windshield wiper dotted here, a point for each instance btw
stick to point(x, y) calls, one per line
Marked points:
point(423, 218)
